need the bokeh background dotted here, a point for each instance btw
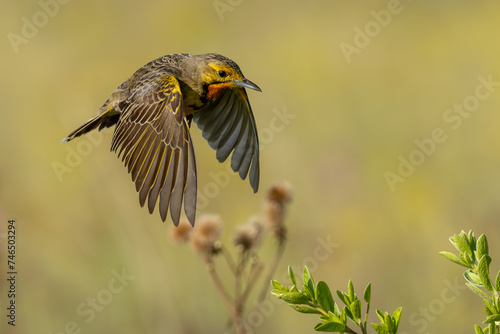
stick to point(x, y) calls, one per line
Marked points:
point(349, 118)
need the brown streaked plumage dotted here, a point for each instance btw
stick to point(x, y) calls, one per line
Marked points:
point(153, 111)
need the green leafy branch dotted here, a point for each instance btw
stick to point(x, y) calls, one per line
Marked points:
point(474, 256)
point(317, 299)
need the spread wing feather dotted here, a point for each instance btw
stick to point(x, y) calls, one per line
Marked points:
point(229, 126)
point(152, 138)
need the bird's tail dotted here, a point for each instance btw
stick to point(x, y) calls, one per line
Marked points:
point(103, 119)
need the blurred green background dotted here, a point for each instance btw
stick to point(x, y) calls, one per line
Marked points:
point(350, 116)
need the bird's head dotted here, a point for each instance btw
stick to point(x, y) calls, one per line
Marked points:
point(219, 73)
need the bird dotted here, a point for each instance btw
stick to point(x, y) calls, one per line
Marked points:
point(152, 112)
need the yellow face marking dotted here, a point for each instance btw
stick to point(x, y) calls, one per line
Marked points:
point(232, 73)
point(212, 76)
point(218, 84)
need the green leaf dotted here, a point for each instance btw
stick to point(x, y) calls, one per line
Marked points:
point(380, 315)
point(336, 310)
point(478, 329)
point(343, 316)
point(389, 323)
point(497, 282)
point(380, 329)
point(277, 293)
point(356, 309)
point(484, 272)
point(292, 276)
point(496, 302)
point(325, 318)
point(308, 283)
point(279, 286)
point(305, 309)
point(348, 312)
point(324, 297)
point(397, 317)
point(453, 258)
point(367, 295)
point(468, 258)
point(306, 276)
point(294, 298)
point(331, 327)
point(343, 297)
point(472, 240)
point(476, 290)
point(461, 243)
point(490, 307)
point(350, 291)
point(482, 246)
point(492, 319)
point(472, 277)
point(333, 318)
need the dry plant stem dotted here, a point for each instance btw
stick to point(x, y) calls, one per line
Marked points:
point(218, 285)
point(233, 310)
point(237, 280)
point(229, 259)
point(255, 265)
point(238, 303)
point(256, 272)
point(277, 257)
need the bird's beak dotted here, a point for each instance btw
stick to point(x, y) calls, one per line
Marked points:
point(247, 84)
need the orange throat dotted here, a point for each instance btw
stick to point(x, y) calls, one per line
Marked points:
point(214, 90)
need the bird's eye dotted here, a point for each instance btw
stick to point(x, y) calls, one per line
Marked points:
point(222, 74)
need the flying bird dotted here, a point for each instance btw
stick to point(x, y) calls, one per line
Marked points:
point(153, 111)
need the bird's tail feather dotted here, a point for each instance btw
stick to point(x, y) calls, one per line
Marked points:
point(101, 120)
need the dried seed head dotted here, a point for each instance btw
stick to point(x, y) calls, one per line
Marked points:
point(280, 233)
point(248, 236)
point(278, 198)
point(181, 233)
point(280, 192)
point(274, 214)
point(209, 226)
point(205, 235)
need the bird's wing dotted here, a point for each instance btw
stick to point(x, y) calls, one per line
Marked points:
point(229, 126)
point(152, 137)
